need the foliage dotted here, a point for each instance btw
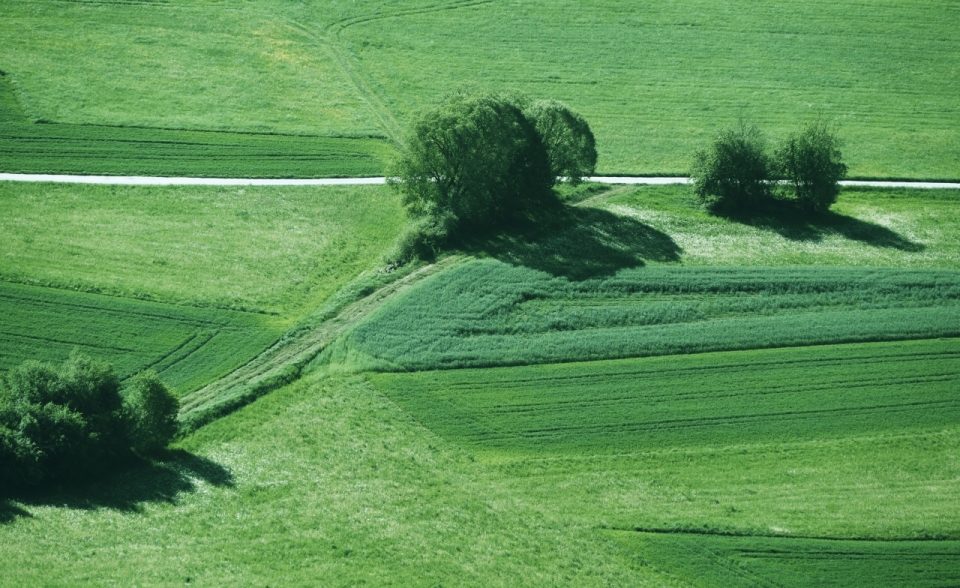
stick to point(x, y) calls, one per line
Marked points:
point(187, 346)
point(810, 162)
point(161, 243)
point(62, 424)
point(151, 412)
point(487, 313)
point(476, 158)
point(733, 173)
point(627, 68)
point(571, 147)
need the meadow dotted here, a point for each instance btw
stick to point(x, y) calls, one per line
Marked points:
point(30, 147)
point(488, 313)
point(281, 251)
point(187, 346)
point(654, 80)
point(706, 400)
point(729, 562)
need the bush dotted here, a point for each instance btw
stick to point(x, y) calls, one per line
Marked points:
point(151, 412)
point(71, 422)
point(476, 158)
point(571, 147)
point(734, 172)
point(810, 163)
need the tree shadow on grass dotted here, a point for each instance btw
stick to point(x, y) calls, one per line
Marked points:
point(162, 479)
point(578, 243)
point(790, 222)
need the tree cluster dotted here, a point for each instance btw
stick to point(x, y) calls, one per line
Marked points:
point(67, 423)
point(479, 159)
point(738, 172)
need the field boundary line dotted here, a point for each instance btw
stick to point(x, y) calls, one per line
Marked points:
point(377, 180)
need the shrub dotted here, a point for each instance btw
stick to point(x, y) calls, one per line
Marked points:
point(151, 412)
point(734, 172)
point(571, 147)
point(71, 422)
point(810, 162)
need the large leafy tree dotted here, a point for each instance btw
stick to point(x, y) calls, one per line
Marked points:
point(475, 159)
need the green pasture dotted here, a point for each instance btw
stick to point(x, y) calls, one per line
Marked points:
point(730, 562)
point(709, 400)
point(187, 346)
point(277, 250)
point(488, 313)
point(908, 228)
point(655, 80)
point(29, 147)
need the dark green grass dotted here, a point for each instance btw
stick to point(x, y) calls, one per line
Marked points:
point(187, 346)
point(711, 400)
point(709, 561)
point(487, 313)
point(56, 148)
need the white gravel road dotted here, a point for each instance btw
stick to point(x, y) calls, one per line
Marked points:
point(160, 181)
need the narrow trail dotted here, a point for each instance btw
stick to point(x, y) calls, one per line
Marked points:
point(285, 360)
point(176, 181)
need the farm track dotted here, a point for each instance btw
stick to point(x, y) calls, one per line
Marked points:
point(181, 181)
point(284, 361)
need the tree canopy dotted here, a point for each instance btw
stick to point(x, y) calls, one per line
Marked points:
point(478, 159)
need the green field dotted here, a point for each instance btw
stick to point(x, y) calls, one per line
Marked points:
point(587, 473)
point(277, 250)
point(709, 400)
point(28, 147)
point(655, 80)
point(487, 313)
point(187, 346)
point(729, 562)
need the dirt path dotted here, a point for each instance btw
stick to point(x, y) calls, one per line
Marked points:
point(284, 362)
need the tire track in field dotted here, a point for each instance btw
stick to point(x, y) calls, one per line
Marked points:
point(329, 38)
point(283, 362)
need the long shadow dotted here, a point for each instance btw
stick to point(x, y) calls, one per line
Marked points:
point(790, 222)
point(163, 479)
point(579, 243)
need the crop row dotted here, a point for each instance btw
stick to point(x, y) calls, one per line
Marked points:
point(487, 313)
point(731, 562)
point(26, 147)
point(187, 346)
point(718, 399)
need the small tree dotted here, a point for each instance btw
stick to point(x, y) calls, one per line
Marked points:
point(151, 412)
point(810, 162)
point(734, 172)
point(571, 147)
point(475, 158)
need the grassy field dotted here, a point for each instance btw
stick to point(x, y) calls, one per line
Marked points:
point(729, 562)
point(276, 250)
point(187, 346)
point(654, 80)
point(487, 313)
point(28, 147)
point(710, 400)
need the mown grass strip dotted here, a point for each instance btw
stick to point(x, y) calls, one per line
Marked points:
point(710, 400)
point(187, 346)
point(710, 561)
point(27, 147)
